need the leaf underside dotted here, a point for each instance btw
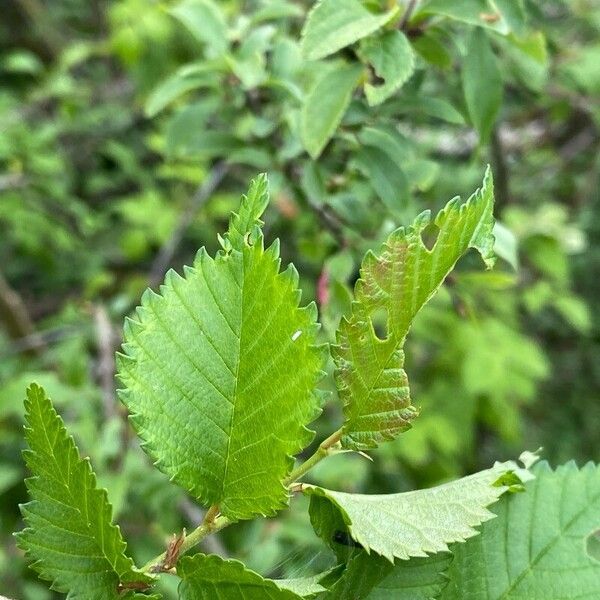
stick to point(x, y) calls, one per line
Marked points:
point(70, 534)
point(398, 281)
point(536, 547)
point(220, 370)
point(409, 524)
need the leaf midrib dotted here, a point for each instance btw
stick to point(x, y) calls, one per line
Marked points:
point(548, 546)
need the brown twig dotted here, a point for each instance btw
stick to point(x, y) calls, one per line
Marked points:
point(106, 343)
point(410, 9)
point(16, 318)
point(501, 174)
point(167, 252)
point(195, 515)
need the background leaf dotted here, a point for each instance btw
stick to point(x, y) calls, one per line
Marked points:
point(333, 24)
point(482, 83)
point(325, 105)
point(205, 21)
point(393, 59)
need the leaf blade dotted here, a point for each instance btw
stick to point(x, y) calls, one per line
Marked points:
point(393, 59)
point(536, 539)
point(220, 370)
point(411, 524)
point(207, 577)
point(370, 378)
point(326, 104)
point(334, 24)
point(70, 534)
point(482, 83)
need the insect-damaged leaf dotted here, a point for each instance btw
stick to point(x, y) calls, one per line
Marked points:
point(399, 280)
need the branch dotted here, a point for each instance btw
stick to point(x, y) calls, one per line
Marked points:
point(501, 174)
point(326, 447)
point(165, 256)
point(410, 8)
point(15, 316)
point(214, 522)
point(106, 343)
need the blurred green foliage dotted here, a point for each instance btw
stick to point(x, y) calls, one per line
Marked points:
point(128, 128)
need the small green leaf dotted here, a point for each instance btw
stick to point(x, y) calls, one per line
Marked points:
point(325, 105)
point(506, 245)
point(185, 79)
point(69, 532)
point(410, 524)
point(434, 107)
point(208, 577)
point(393, 59)
point(387, 178)
point(430, 47)
point(399, 281)
point(221, 368)
point(482, 83)
point(206, 22)
point(334, 24)
point(536, 547)
point(188, 125)
point(499, 16)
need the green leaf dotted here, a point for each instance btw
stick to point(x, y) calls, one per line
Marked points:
point(415, 579)
point(430, 47)
point(70, 536)
point(334, 24)
point(393, 60)
point(9, 476)
point(506, 245)
point(185, 79)
point(398, 282)
point(434, 107)
point(206, 22)
point(209, 577)
point(498, 15)
point(306, 587)
point(189, 124)
point(482, 83)
point(325, 105)
point(536, 547)
point(220, 371)
point(372, 577)
point(386, 177)
point(410, 524)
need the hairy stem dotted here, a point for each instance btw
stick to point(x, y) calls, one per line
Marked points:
point(213, 522)
point(191, 540)
point(410, 8)
point(324, 449)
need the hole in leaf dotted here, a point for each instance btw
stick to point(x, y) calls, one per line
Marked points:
point(592, 545)
point(379, 318)
point(429, 235)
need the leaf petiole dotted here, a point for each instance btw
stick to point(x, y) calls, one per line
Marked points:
point(326, 447)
